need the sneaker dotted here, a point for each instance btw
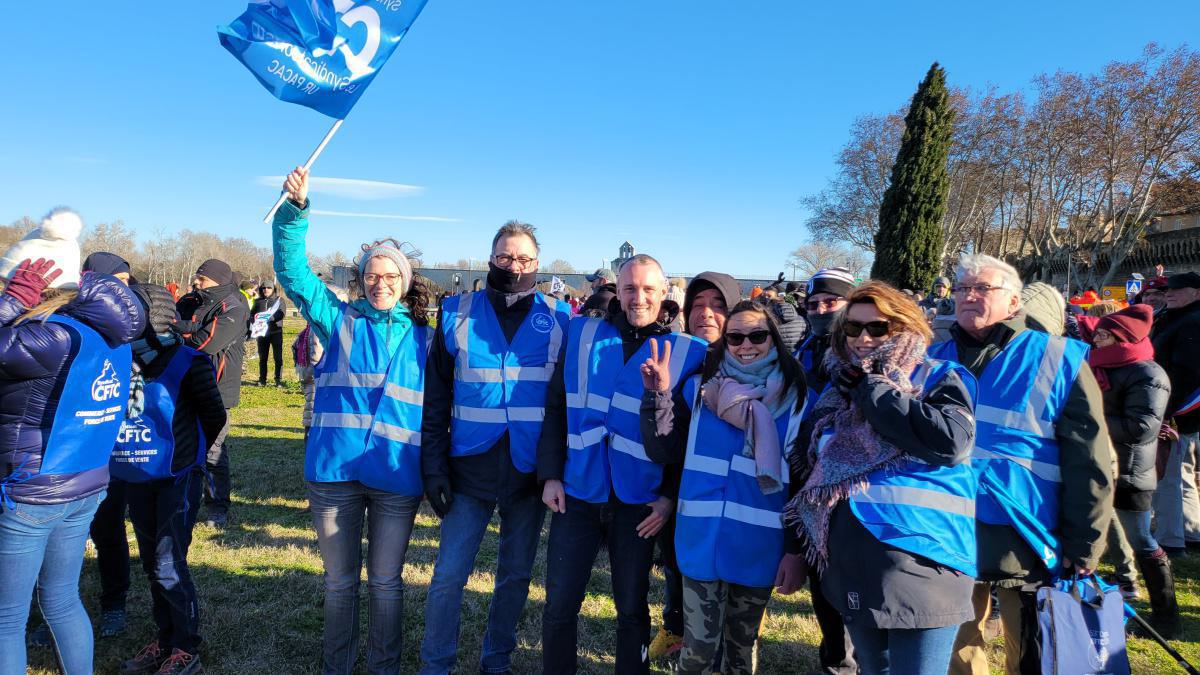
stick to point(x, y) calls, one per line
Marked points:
point(41, 637)
point(1129, 590)
point(147, 661)
point(180, 663)
point(664, 644)
point(216, 519)
point(112, 622)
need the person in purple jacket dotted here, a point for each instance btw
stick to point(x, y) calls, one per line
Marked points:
point(64, 383)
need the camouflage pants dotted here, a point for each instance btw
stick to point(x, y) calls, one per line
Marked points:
point(715, 608)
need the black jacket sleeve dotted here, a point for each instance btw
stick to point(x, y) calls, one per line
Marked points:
point(665, 419)
point(938, 428)
point(435, 416)
point(552, 446)
point(220, 327)
point(1139, 416)
point(1085, 462)
point(201, 384)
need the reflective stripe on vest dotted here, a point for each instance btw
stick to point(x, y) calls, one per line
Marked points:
point(92, 405)
point(720, 502)
point(145, 448)
point(603, 392)
point(1023, 392)
point(500, 387)
point(366, 423)
point(921, 508)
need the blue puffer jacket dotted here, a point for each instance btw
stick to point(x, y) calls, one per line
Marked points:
point(34, 358)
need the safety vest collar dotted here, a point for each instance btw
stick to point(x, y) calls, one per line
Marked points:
point(540, 320)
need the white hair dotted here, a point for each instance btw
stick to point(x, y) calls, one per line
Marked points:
point(974, 263)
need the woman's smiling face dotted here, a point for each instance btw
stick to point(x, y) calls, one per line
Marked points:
point(748, 324)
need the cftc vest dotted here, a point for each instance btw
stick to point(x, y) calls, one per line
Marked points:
point(92, 404)
point(925, 509)
point(726, 528)
point(1016, 458)
point(499, 386)
point(604, 394)
point(145, 449)
point(366, 424)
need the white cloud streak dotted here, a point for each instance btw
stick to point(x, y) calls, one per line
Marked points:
point(350, 188)
point(386, 216)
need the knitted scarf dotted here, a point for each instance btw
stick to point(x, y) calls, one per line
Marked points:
point(750, 396)
point(845, 449)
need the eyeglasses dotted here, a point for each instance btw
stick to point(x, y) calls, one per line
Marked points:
point(390, 279)
point(978, 289)
point(875, 329)
point(756, 337)
point(814, 305)
point(505, 260)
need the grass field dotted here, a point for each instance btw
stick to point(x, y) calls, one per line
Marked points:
point(260, 578)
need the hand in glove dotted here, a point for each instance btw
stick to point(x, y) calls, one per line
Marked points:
point(30, 279)
point(439, 494)
point(847, 378)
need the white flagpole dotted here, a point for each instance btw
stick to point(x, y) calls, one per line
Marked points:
point(307, 165)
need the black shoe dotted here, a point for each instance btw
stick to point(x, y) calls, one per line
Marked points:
point(1175, 552)
point(181, 663)
point(112, 622)
point(1160, 591)
point(216, 519)
point(147, 660)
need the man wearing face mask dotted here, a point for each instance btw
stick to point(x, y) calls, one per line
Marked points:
point(485, 392)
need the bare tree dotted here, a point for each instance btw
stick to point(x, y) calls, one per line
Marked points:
point(814, 255)
point(560, 266)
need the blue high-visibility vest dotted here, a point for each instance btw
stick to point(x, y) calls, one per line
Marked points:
point(366, 423)
point(604, 394)
point(726, 529)
point(145, 449)
point(1022, 393)
point(922, 508)
point(805, 356)
point(499, 386)
point(92, 404)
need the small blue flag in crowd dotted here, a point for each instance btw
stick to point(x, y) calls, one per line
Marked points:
point(319, 53)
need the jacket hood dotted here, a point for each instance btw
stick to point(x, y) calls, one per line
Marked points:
point(726, 285)
point(109, 307)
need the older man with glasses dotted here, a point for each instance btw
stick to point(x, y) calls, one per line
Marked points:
point(1042, 459)
point(485, 394)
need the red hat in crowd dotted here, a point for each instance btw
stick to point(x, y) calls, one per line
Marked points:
point(1157, 283)
point(1129, 325)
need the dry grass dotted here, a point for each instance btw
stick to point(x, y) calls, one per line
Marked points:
point(260, 578)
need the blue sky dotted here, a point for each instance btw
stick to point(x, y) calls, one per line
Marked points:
point(690, 128)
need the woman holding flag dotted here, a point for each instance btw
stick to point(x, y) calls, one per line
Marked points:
point(363, 455)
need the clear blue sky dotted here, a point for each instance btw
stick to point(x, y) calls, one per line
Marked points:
point(690, 128)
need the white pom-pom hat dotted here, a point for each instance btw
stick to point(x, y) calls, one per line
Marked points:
point(57, 239)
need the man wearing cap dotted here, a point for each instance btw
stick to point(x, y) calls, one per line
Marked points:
point(267, 328)
point(485, 396)
point(213, 319)
point(1154, 294)
point(604, 289)
point(1176, 338)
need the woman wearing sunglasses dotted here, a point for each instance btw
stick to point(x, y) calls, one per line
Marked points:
point(884, 503)
point(736, 419)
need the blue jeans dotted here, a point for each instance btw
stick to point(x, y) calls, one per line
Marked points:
point(1136, 525)
point(42, 545)
point(575, 538)
point(338, 511)
point(163, 514)
point(919, 651)
point(462, 531)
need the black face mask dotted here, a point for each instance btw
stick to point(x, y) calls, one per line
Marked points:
point(820, 322)
point(508, 281)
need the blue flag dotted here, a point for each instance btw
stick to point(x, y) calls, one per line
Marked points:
point(319, 53)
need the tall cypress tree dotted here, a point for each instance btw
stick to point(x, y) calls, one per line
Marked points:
point(908, 244)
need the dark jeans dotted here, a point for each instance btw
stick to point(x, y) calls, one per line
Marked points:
point(338, 511)
point(112, 547)
point(902, 651)
point(163, 513)
point(216, 492)
point(835, 653)
point(575, 539)
point(672, 615)
point(272, 341)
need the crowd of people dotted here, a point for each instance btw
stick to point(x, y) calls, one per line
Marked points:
point(914, 460)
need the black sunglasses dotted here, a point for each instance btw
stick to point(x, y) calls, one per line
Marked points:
point(757, 337)
point(875, 329)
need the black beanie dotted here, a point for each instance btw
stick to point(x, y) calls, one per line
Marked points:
point(217, 270)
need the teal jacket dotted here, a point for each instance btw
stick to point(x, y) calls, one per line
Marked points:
point(316, 302)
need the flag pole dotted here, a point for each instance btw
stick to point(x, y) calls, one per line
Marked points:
point(307, 165)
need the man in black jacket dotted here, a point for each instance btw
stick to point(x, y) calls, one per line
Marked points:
point(1176, 338)
point(213, 319)
point(472, 462)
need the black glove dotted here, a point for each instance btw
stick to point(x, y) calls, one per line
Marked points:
point(847, 378)
point(437, 491)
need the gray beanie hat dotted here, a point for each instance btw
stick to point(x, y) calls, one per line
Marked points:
point(1045, 305)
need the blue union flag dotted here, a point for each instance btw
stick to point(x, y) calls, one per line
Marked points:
point(318, 53)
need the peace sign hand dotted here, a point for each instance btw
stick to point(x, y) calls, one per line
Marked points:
point(656, 372)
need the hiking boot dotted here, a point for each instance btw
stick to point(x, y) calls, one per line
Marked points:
point(112, 622)
point(217, 519)
point(147, 661)
point(665, 644)
point(41, 637)
point(1129, 590)
point(180, 663)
